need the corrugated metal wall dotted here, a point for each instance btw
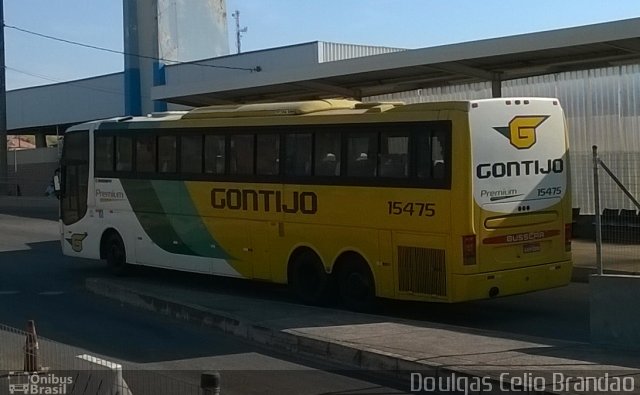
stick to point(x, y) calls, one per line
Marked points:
point(602, 108)
point(331, 52)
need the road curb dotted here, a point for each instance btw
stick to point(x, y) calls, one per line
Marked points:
point(582, 274)
point(287, 340)
point(390, 365)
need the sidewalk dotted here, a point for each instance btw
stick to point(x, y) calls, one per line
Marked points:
point(389, 346)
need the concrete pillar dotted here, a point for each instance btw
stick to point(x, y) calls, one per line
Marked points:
point(496, 85)
point(41, 140)
point(3, 112)
point(614, 310)
point(140, 38)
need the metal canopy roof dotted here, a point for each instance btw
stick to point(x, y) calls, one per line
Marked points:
point(586, 47)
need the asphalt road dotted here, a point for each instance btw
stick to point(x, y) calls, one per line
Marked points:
point(561, 313)
point(37, 282)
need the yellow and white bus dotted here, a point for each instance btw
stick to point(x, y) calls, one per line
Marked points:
point(449, 201)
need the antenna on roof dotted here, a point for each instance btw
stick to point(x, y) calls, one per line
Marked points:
point(239, 31)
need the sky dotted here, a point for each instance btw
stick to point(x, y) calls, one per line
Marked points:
point(32, 60)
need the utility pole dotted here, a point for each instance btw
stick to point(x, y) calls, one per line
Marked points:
point(239, 31)
point(3, 110)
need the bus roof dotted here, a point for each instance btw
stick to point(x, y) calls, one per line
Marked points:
point(334, 107)
point(324, 107)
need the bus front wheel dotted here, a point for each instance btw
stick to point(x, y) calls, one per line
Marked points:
point(308, 280)
point(357, 286)
point(116, 255)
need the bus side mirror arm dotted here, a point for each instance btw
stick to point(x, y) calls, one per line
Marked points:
point(57, 185)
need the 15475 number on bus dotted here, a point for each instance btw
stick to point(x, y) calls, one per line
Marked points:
point(412, 209)
point(553, 191)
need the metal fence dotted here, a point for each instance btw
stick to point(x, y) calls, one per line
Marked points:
point(617, 230)
point(33, 364)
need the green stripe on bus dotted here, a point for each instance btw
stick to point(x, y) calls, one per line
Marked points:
point(187, 223)
point(152, 216)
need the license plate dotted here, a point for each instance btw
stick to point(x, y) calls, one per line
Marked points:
point(531, 247)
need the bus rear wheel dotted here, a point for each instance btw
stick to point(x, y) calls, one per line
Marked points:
point(357, 286)
point(308, 280)
point(116, 255)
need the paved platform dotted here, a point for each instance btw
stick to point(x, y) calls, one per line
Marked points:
point(388, 346)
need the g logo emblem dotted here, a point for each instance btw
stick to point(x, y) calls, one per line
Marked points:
point(76, 241)
point(521, 131)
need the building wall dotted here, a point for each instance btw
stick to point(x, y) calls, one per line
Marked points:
point(602, 107)
point(64, 103)
point(271, 61)
point(31, 171)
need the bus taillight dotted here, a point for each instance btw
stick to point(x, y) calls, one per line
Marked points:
point(469, 250)
point(567, 237)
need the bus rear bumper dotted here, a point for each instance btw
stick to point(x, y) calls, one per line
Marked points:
point(510, 282)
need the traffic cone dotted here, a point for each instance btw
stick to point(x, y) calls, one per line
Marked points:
point(31, 348)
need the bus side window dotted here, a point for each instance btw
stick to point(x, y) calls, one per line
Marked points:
point(124, 153)
point(431, 155)
point(298, 154)
point(191, 154)
point(214, 154)
point(423, 156)
point(437, 155)
point(394, 155)
point(241, 154)
point(268, 155)
point(167, 154)
point(146, 153)
point(104, 149)
point(327, 154)
point(362, 154)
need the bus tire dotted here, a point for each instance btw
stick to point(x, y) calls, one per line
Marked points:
point(116, 255)
point(357, 286)
point(308, 281)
